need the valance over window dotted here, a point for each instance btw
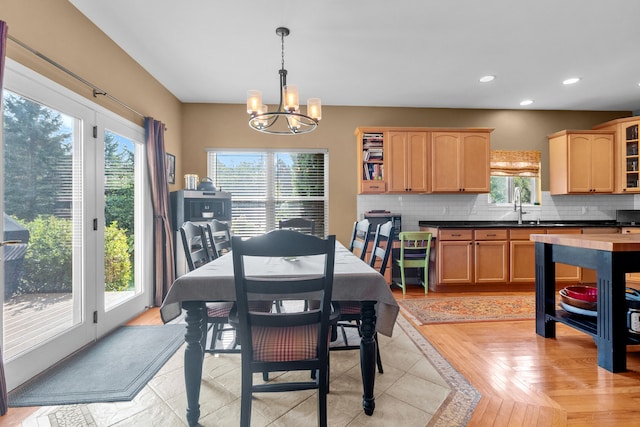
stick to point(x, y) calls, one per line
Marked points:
point(515, 163)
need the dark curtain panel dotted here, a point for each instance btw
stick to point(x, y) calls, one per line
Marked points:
point(163, 257)
point(3, 52)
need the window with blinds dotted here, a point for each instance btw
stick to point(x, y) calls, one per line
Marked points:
point(511, 169)
point(269, 186)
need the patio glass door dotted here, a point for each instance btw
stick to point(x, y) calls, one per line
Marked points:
point(121, 230)
point(73, 201)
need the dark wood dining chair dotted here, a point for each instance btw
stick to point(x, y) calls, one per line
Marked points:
point(303, 225)
point(349, 311)
point(293, 341)
point(194, 242)
point(219, 238)
point(360, 238)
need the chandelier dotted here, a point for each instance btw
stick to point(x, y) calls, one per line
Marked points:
point(287, 120)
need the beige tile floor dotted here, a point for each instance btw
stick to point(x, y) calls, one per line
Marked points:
point(408, 393)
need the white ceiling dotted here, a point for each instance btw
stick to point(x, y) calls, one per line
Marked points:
point(411, 53)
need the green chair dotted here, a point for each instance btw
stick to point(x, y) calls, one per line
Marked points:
point(414, 253)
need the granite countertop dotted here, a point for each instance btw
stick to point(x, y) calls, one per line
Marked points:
point(514, 224)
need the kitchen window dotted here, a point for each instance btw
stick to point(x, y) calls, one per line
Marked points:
point(515, 169)
point(271, 185)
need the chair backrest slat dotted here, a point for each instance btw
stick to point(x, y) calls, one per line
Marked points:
point(382, 244)
point(360, 238)
point(219, 237)
point(194, 244)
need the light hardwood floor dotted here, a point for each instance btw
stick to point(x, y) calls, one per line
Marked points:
point(524, 379)
point(527, 380)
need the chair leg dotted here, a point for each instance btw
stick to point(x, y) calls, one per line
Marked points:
point(344, 335)
point(404, 285)
point(425, 280)
point(378, 359)
point(323, 390)
point(245, 400)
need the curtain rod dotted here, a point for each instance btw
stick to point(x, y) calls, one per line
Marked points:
point(96, 90)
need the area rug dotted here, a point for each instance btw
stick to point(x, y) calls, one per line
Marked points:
point(469, 308)
point(113, 369)
point(458, 407)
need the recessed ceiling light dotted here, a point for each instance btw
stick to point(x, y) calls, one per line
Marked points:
point(487, 79)
point(571, 81)
point(526, 102)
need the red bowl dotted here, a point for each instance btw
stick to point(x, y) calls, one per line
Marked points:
point(586, 305)
point(584, 293)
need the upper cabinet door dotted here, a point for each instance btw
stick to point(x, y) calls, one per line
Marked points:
point(602, 147)
point(408, 156)
point(418, 161)
point(445, 161)
point(475, 163)
point(579, 163)
point(397, 152)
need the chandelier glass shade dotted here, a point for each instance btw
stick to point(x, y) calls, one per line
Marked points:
point(287, 119)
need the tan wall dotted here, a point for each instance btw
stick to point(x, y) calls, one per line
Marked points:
point(59, 31)
point(225, 126)
point(56, 29)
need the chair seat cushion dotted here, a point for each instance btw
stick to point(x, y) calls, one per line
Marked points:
point(284, 344)
point(260, 306)
point(349, 307)
point(219, 309)
point(222, 309)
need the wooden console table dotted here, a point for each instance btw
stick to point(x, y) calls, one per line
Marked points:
point(612, 256)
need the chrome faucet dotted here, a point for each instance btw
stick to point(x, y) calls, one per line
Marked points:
point(517, 203)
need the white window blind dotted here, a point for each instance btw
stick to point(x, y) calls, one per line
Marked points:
point(268, 186)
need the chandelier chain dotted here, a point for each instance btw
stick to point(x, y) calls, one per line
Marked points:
point(282, 48)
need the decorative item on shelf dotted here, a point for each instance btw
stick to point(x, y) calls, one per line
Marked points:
point(287, 120)
point(584, 293)
point(206, 184)
point(190, 181)
point(576, 302)
point(580, 300)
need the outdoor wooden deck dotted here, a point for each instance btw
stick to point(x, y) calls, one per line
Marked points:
point(30, 319)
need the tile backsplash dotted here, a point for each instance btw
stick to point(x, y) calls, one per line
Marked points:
point(476, 207)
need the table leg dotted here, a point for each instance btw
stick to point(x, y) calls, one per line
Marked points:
point(545, 291)
point(193, 356)
point(368, 354)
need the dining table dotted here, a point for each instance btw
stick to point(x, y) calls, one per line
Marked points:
point(354, 280)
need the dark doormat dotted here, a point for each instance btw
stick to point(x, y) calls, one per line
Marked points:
point(113, 369)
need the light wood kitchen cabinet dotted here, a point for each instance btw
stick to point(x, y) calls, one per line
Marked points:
point(408, 162)
point(627, 154)
point(460, 162)
point(491, 256)
point(522, 255)
point(455, 256)
point(581, 162)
